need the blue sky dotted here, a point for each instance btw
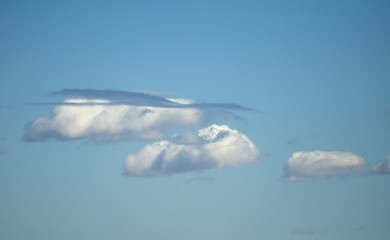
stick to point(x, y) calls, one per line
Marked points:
point(305, 154)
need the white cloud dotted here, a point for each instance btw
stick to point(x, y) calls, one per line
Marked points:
point(303, 166)
point(80, 118)
point(382, 167)
point(216, 146)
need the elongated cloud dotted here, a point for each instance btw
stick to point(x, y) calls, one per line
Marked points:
point(303, 166)
point(110, 115)
point(134, 98)
point(110, 122)
point(382, 167)
point(216, 146)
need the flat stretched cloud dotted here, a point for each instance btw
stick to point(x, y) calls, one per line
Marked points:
point(135, 98)
point(102, 122)
point(382, 167)
point(213, 147)
point(303, 166)
point(110, 115)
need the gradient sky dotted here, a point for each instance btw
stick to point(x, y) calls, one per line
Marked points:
point(315, 74)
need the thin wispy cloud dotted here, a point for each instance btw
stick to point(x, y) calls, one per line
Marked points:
point(299, 139)
point(302, 166)
point(134, 98)
point(293, 141)
point(214, 147)
point(382, 167)
point(207, 180)
point(303, 232)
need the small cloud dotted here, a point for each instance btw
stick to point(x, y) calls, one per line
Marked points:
point(303, 166)
point(265, 156)
point(303, 232)
point(296, 140)
point(207, 180)
point(382, 167)
point(293, 141)
point(213, 147)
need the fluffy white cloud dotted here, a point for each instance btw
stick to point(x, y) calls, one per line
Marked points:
point(302, 166)
point(216, 146)
point(97, 119)
point(382, 167)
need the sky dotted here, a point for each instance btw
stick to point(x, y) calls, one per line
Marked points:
point(195, 119)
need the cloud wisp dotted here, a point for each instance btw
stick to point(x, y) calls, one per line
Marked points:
point(207, 180)
point(214, 147)
point(302, 232)
point(382, 167)
point(302, 166)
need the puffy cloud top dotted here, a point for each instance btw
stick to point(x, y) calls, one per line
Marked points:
point(216, 146)
point(318, 164)
point(382, 167)
point(79, 118)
